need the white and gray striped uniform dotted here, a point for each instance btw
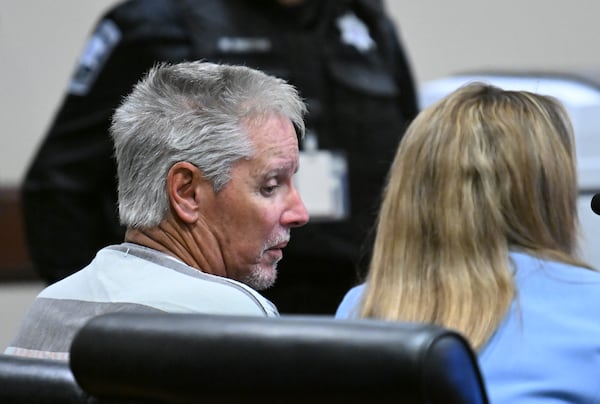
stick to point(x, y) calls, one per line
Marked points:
point(127, 277)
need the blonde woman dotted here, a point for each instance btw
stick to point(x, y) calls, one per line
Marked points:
point(478, 232)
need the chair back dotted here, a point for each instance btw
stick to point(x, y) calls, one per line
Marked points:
point(191, 358)
point(28, 380)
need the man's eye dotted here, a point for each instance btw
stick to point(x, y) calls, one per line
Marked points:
point(268, 190)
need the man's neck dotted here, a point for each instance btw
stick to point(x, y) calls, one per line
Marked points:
point(181, 242)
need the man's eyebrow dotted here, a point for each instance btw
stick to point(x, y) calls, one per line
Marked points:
point(282, 169)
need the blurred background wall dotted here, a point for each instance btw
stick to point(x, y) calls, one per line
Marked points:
point(40, 41)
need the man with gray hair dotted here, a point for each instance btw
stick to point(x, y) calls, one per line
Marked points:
point(205, 156)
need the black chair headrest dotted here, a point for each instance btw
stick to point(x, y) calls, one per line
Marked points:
point(28, 380)
point(191, 357)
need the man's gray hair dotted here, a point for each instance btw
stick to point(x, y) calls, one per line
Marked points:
point(195, 112)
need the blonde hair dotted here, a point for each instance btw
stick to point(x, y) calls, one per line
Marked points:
point(482, 171)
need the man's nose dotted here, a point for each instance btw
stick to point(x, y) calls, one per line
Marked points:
point(296, 215)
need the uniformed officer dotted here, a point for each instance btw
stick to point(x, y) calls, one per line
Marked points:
point(345, 57)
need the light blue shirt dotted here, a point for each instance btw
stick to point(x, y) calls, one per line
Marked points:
point(547, 348)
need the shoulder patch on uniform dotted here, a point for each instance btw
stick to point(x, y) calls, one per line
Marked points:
point(97, 50)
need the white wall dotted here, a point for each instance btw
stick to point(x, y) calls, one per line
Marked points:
point(40, 40)
point(39, 44)
point(446, 37)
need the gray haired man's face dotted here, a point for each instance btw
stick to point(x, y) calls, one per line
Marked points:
point(253, 214)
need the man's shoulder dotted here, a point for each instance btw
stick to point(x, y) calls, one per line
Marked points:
point(137, 14)
point(132, 272)
point(143, 9)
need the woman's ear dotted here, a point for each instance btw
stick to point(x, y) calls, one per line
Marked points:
point(183, 185)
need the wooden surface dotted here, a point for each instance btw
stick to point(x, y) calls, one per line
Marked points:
point(15, 264)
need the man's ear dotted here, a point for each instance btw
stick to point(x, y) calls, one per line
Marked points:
point(183, 186)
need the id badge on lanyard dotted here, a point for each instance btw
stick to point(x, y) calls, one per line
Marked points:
point(322, 181)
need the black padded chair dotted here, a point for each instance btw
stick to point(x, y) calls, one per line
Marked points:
point(27, 380)
point(204, 358)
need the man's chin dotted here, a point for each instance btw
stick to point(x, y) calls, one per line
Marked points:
point(262, 277)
